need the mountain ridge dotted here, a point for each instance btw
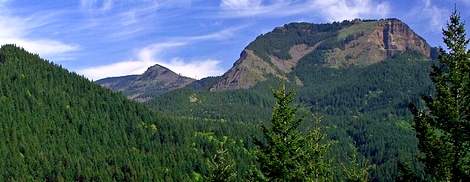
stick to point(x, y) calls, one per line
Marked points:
point(277, 53)
point(346, 43)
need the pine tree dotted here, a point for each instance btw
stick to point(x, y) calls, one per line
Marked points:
point(222, 168)
point(443, 129)
point(287, 155)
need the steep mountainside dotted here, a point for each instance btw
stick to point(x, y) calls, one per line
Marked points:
point(153, 82)
point(339, 44)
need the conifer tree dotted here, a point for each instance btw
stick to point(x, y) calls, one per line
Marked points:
point(286, 154)
point(222, 168)
point(443, 128)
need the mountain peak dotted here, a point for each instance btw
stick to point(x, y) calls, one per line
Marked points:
point(336, 45)
point(153, 82)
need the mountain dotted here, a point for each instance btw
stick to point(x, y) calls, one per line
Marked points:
point(346, 43)
point(277, 53)
point(359, 76)
point(58, 126)
point(153, 82)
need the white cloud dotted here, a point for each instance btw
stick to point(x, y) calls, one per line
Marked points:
point(242, 5)
point(246, 8)
point(101, 5)
point(17, 30)
point(337, 10)
point(222, 34)
point(46, 48)
point(332, 10)
point(435, 16)
point(149, 56)
point(123, 24)
point(194, 69)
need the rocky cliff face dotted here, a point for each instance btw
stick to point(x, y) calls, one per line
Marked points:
point(153, 82)
point(384, 39)
point(393, 36)
point(359, 43)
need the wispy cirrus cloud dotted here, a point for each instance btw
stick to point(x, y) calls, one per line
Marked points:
point(101, 5)
point(18, 30)
point(119, 20)
point(434, 15)
point(337, 10)
point(247, 8)
point(333, 10)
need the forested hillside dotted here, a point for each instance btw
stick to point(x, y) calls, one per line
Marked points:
point(58, 126)
point(333, 45)
point(362, 106)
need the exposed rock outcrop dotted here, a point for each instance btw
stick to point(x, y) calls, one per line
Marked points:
point(250, 69)
point(393, 36)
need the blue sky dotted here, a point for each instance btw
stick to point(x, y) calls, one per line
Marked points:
point(196, 38)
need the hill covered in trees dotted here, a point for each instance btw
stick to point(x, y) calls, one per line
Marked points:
point(364, 106)
point(360, 75)
point(59, 126)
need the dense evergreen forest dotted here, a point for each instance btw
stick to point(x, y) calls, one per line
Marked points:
point(59, 126)
point(363, 106)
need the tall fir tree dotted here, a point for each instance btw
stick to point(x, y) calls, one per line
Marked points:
point(443, 129)
point(286, 154)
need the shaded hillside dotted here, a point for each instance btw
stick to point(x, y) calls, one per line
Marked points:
point(153, 82)
point(343, 44)
point(58, 126)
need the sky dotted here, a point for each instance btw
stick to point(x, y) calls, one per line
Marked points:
point(194, 38)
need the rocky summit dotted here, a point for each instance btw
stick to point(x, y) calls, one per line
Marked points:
point(358, 42)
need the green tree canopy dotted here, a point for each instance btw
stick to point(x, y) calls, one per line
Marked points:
point(286, 154)
point(443, 128)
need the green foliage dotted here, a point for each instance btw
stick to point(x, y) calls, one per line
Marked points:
point(286, 154)
point(443, 128)
point(358, 170)
point(280, 40)
point(362, 105)
point(95, 134)
point(357, 27)
point(58, 126)
point(222, 168)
